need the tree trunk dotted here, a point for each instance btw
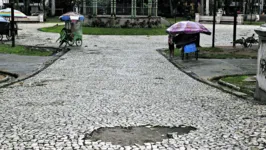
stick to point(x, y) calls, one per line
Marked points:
point(28, 7)
point(202, 7)
point(17, 5)
point(25, 6)
point(44, 10)
point(227, 4)
point(52, 2)
point(171, 7)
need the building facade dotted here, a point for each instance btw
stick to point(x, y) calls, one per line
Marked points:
point(230, 6)
point(120, 7)
point(133, 8)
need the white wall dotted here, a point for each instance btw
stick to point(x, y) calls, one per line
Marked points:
point(260, 93)
point(1, 3)
point(261, 76)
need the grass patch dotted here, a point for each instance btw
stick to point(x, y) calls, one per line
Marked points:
point(247, 87)
point(220, 53)
point(253, 23)
point(211, 49)
point(111, 31)
point(236, 80)
point(54, 29)
point(177, 19)
point(22, 50)
point(54, 19)
point(177, 52)
point(223, 56)
point(226, 53)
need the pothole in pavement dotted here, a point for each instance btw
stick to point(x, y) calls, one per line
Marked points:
point(126, 136)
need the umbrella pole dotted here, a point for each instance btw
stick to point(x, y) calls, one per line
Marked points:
point(12, 24)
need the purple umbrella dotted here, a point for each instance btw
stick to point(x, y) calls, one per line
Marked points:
point(187, 27)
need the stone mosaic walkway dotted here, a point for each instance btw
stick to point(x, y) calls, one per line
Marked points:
point(122, 81)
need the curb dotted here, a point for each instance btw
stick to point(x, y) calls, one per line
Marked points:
point(8, 73)
point(228, 85)
point(196, 77)
point(43, 66)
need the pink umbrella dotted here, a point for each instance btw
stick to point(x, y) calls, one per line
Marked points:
point(187, 27)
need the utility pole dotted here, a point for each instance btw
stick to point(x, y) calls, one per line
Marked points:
point(235, 23)
point(12, 22)
point(251, 9)
point(214, 21)
point(202, 7)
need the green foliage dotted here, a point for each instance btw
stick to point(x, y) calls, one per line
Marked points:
point(54, 19)
point(237, 80)
point(123, 31)
point(247, 87)
point(223, 56)
point(22, 50)
point(253, 23)
point(103, 2)
point(216, 49)
point(112, 31)
point(177, 52)
point(97, 22)
point(177, 19)
point(54, 29)
point(213, 53)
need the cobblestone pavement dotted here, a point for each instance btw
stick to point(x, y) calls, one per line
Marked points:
point(121, 81)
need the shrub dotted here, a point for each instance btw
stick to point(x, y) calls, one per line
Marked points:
point(143, 24)
point(98, 23)
point(133, 24)
point(126, 25)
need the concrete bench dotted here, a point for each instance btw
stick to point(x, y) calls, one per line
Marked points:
point(219, 18)
point(38, 18)
point(227, 18)
point(206, 18)
point(253, 17)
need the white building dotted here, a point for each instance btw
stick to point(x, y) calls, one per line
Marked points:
point(2, 3)
point(34, 6)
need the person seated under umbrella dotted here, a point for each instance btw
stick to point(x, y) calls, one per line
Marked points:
point(184, 39)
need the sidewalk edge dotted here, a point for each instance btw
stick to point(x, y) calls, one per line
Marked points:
point(196, 77)
point(40, 69)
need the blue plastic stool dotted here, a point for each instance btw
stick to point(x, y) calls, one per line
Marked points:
point(190, 48)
